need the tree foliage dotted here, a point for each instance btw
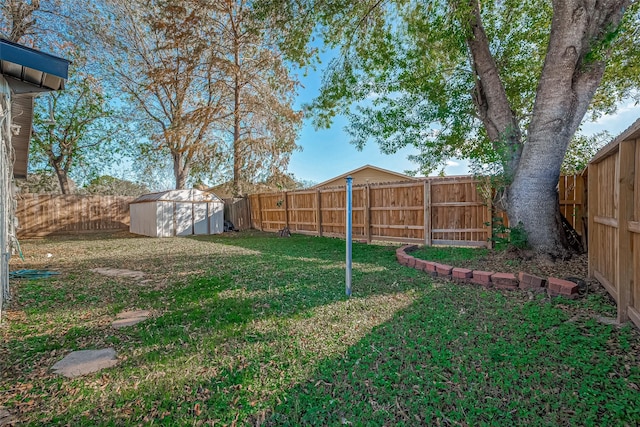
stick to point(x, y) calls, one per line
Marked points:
point(263, 126)
point(405, 76)
point(163, 59)
point(581, 150)
point(71, 130)
point(111, 186)
point(210, 89)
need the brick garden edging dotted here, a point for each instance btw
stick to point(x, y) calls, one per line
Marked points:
point(489, 279)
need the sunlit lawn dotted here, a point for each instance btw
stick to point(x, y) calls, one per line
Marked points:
point(249, 328)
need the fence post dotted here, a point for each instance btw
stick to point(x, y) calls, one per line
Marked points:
point(247, 208)
point(286, 210)
point(349, 236)
point(427, 212)
point(318, 213)
point(260, 212)
point(624, 274)
point(490, 211)
point(367, 213)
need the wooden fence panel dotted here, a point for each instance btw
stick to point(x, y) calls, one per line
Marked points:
point(256, 211)
point(459, 214)
point(571, 191)
point(614, 222)
point(333, 212)
point(397, 212)
point(634, 229)
point(302, 212)
point(239, 212)
point(43, 214)
point(273, 211)
point(602, 212)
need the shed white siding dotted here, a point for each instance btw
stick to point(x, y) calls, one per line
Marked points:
point(177, 213)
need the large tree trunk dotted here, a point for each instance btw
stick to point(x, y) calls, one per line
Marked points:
point(237, 141)
point(567, 86)
point(63, 180)
point(180, 170)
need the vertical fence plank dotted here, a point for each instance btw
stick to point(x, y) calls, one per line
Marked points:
point(260, 210)
point(489, 224)
point(594, 198)
point(625, 173)
point(427, 212)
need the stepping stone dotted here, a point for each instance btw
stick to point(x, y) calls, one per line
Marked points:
point(117, 272)
point(83, 362)
point(130, 318)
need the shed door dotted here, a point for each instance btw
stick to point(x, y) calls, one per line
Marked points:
point(183, 219)
point(216, 217)
point(200, 223)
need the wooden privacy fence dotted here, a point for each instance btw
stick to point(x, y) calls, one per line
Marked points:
point(614, 221)
point(238, 212)
point(43, 214)
point(434, 211)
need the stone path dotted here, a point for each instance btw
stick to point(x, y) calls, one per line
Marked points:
point(117, 272)
point(83, 362)
point(129, 318)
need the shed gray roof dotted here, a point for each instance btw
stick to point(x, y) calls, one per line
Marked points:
point(183, 196)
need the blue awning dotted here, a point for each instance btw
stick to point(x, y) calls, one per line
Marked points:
point(30, 71)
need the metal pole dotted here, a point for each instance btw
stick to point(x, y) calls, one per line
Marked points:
point(349, 235)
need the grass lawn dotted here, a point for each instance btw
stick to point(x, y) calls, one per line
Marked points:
point(252, 329)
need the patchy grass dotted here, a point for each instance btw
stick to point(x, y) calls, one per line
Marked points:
point(249, 328)
point(451, 255)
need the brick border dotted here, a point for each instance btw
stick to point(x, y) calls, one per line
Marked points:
point(553, 286)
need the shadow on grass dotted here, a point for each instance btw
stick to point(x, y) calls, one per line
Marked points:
point(462, 356)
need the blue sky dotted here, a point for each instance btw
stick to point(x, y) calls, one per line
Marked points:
point(327, 152)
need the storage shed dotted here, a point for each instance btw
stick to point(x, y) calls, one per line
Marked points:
point(177, 213)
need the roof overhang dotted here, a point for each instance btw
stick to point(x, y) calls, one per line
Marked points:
point(28, 72)
point(31, 71)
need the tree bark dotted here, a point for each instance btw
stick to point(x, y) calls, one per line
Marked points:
point(567, 85)
point(490, 97)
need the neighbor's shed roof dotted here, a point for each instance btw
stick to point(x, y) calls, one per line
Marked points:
point(184, 196)
point(364, 174)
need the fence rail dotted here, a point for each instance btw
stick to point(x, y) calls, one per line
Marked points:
point(39, 215)
point(436, 211)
